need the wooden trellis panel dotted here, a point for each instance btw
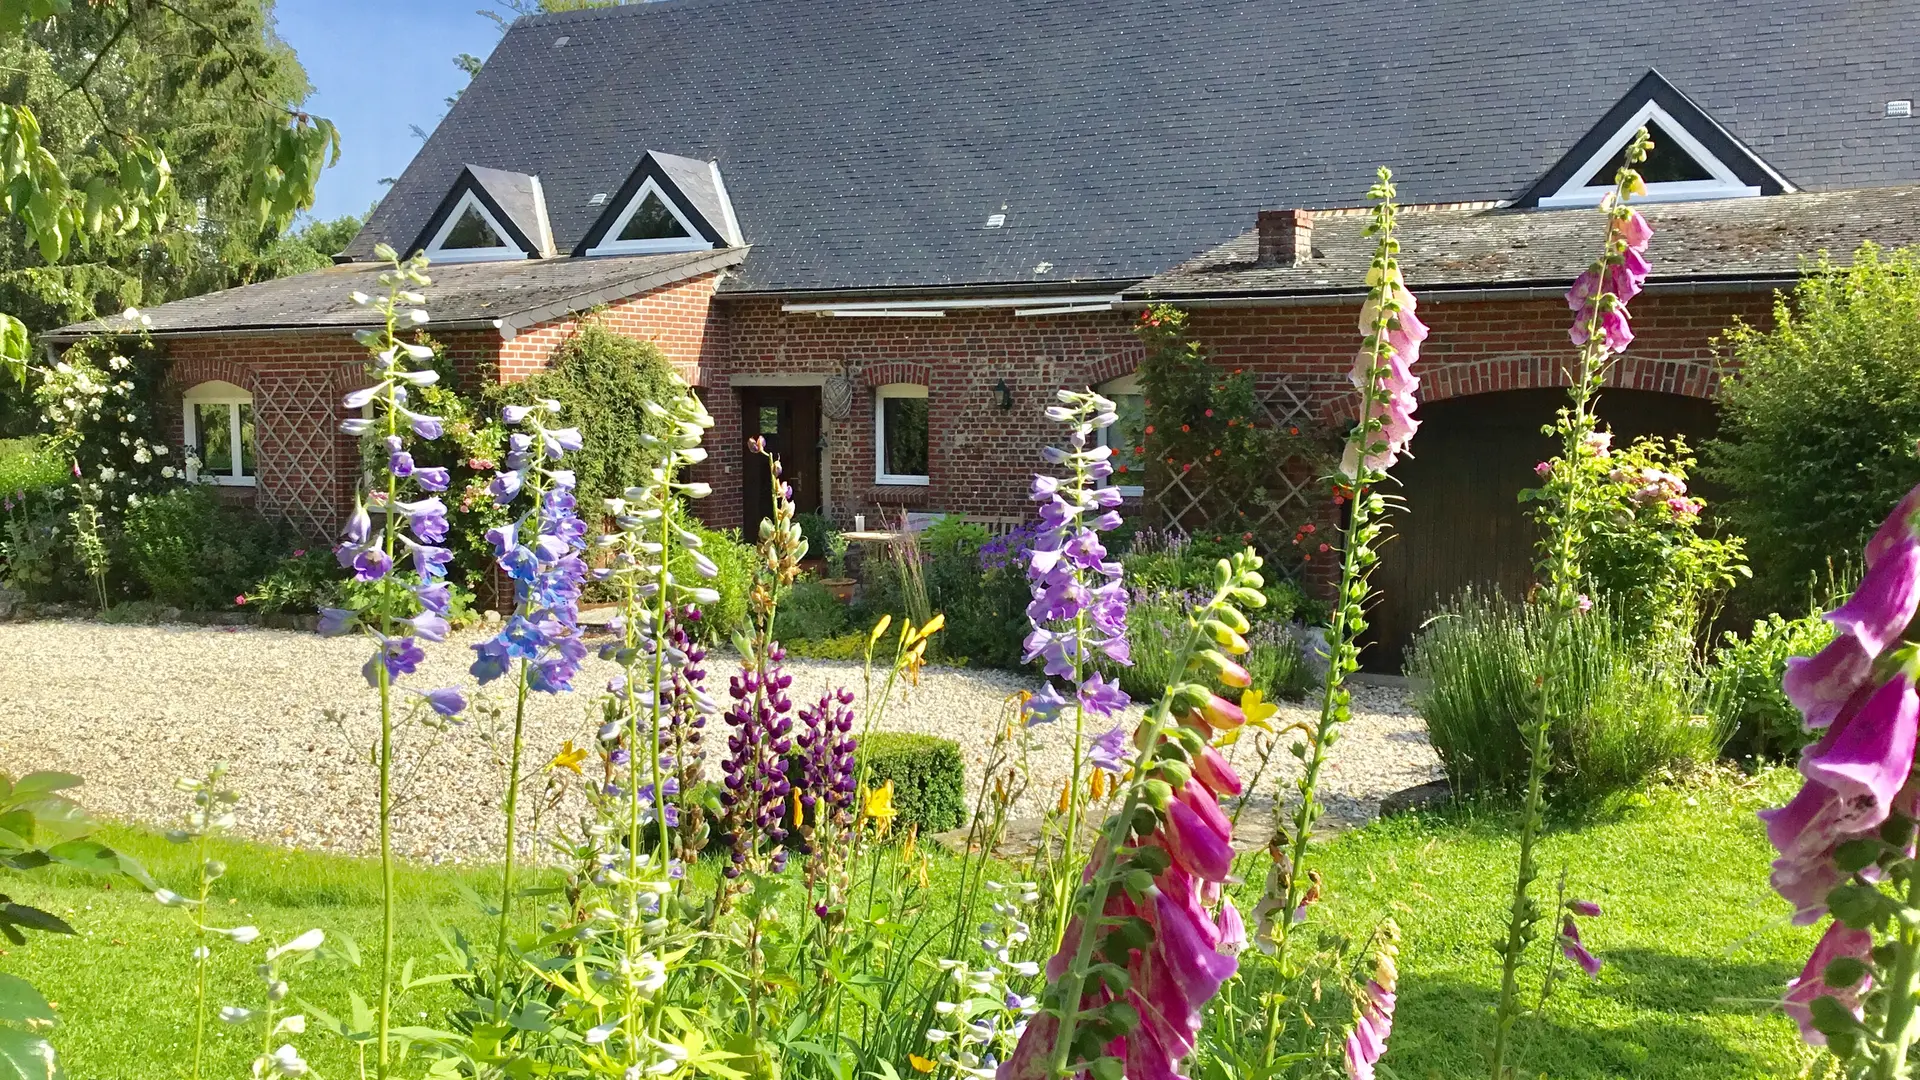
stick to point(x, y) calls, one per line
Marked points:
point(1191, 507)
point(296, 420)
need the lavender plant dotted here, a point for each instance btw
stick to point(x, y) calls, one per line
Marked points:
point(541, 553)
point(404, 607)
point(1564, 511)
point(1079, 606)
point(1846, 840)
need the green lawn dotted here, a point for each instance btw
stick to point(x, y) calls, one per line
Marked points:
point(1695, 944)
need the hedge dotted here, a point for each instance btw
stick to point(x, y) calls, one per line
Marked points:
point(929, 780)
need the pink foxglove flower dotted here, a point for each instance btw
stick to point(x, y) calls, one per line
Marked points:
point(1872, 618)
point(1839, 941)
point(1392, 402)
point(1374, 1020)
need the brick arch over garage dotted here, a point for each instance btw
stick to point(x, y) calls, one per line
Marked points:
point(1695, 377)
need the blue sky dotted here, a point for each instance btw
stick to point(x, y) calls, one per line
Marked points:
point(378, 66)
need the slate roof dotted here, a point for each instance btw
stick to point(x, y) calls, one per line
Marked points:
point(866, 142)
point(516, 294)
point(1724, 240)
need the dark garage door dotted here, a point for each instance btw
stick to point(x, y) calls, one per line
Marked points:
point(1463, 523)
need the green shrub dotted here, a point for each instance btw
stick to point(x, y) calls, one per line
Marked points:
point(1743, 684)
point(192, 551)
point(40, 558)
point(952, 534)
point(929, 780)
point(603, 381)
point(817, 531)
point(1818, 418)
point(809, 612)
point(851, 646)
point(1619, 713)
point(303, 582)
point(26, 467)
point(734, 558)
point(1169, 562)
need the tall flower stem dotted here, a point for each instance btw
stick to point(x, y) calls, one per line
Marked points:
point(1599, 331)
point(502, 940)
point(1392, 332)
point(1903, 991)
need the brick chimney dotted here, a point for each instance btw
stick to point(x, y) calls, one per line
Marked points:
point(1286, 237)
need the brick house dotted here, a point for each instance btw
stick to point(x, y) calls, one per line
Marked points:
point(883, 232)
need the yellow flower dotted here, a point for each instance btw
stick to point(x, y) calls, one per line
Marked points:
point(1257, 709)
point(799, 818)
point(879, 807)
point(879, 628)
point(923, 877)
point(932, 627)
point(913, 841)
point(568, 758)
point(1098, 785)
point(1066, 796)
point(919, 1063)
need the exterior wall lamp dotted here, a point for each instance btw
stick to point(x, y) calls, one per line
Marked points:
point(1006, 395)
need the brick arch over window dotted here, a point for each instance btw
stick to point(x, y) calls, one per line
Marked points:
point(1440, 381)
point(1108, 368)
point(896, 372)
point(188, 372)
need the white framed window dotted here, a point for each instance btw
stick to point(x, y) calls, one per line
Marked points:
point(1127, 436)
point(900, 434)
point(219, 434)
point(1680, 168)
point(650, 224)
point(472, 234)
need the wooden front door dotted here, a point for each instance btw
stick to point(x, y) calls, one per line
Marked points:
point(789, 418)
point(1464, 523)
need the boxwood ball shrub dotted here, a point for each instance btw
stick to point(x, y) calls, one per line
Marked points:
point(929, 778)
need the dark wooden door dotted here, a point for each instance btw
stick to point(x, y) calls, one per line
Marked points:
point(1463, 523)
point(789, 418)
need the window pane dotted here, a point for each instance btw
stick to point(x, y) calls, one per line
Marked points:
point(769, 419)
point(246, 439)
point(472, 231)
point(214, 425)
point(1128, 437)
point(1666, 164)
point(652, 221)
point(906, 430)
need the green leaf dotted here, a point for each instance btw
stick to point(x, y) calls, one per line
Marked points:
point(38, 783)
point(21, 1004)
point(25, 1056)
point(33, 919)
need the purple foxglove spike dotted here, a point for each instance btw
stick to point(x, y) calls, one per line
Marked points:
point(1838, 942)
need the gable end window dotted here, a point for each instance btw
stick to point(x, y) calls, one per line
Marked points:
point(1679, 169)
point(651, 224)
point(1127, 436)
point(219, 434)
point(900, 434)
point(471, 234)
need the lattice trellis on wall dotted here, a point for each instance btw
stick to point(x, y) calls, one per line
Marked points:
point(295, 423)
point(1193, 506)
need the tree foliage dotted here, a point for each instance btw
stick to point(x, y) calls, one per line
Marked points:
point(1819, 418)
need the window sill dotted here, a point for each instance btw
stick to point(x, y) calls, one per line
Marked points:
point(885, 480)
point(226, 481)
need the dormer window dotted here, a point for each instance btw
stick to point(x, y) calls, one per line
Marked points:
point(489, 215)
point(1693, 157)
point(667, 204)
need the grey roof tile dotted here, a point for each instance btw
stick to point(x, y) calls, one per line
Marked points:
point(1767, 239)
point(518, 293)
point(865, 142)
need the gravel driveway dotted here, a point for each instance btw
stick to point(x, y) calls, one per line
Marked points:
point(132, 708)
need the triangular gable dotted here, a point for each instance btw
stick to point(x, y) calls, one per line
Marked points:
point(488, 215)
point(1694, 157)
point(668, 203)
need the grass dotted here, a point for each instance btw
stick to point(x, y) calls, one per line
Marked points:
point(1695, 944)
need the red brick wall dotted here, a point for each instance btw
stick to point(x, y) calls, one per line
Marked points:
point(678, 318)
point(979, 456)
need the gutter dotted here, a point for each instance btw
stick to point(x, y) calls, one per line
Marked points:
point(1446, 293)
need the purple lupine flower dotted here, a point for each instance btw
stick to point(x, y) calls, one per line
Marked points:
point(754, 772)
point(826, 752)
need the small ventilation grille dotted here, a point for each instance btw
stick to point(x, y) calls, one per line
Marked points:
point(995, 221)
point(598, 198)
point(1903, 107)
point(561, 42)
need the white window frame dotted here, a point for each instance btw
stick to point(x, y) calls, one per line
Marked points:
point(1125, 384)
point(1724, 185)
point(217, 392)
point(471, 201)
point(611, 244)
point(880, 396)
